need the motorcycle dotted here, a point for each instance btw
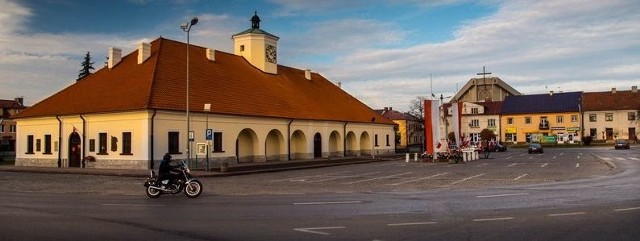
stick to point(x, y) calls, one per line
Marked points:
point(184, 182)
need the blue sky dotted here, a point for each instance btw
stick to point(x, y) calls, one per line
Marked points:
point(382, 52)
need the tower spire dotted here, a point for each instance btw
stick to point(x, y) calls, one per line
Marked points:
point(255, 20)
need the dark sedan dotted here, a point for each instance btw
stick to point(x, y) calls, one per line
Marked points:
point(535, 148)
point(622, 144)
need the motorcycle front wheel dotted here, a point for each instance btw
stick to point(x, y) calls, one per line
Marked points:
point(153, 193)
point(193, 189)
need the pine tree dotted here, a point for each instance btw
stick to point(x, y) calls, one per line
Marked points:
point(87, 66)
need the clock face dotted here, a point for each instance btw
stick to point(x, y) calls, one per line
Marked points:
point(270, 53)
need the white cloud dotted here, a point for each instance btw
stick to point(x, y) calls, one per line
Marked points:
point(528, 44)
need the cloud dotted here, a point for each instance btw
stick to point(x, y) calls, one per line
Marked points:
point(527, 44)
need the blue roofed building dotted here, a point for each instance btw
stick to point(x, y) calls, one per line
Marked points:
point(546, 118)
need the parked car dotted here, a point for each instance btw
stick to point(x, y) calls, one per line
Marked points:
point(621, 144)
point(535, 147)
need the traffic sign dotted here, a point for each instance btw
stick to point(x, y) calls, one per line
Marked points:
point(209, 134)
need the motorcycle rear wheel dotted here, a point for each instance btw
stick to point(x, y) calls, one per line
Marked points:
point(193, 189)
point(153, 193)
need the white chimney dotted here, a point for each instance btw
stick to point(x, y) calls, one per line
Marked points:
point(613, 90)
point(634, 89)
point(115, 55)
point(307, 74)
point(144, 52)
point(211, 54)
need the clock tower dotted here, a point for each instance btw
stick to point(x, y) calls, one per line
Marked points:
point(257, 46)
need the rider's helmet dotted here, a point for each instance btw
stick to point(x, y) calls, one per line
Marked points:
point(167, 157)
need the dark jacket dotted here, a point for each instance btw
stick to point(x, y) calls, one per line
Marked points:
point(165, 169)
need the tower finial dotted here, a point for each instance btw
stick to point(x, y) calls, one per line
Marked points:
point(255, 20)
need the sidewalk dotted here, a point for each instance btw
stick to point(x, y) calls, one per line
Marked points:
point(234, 169)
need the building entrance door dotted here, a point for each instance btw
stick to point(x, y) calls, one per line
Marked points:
point(75, 154)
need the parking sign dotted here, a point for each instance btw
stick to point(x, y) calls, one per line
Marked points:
point(209, 134)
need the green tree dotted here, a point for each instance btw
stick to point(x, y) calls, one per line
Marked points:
point(487, 135)
point(87, 66)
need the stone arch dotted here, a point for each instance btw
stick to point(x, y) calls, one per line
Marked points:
point(298, 145)
point(274, 146)
point(247, 146)
point(351, 144)
point(365, 143)
point(335, 145)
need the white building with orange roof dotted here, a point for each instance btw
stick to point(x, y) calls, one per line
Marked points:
point(131, 112)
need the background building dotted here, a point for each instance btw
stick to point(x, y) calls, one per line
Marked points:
point(409, 133)
point(612, 114)
point(8, 109)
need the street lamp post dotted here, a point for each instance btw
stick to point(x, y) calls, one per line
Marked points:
point(186, 27)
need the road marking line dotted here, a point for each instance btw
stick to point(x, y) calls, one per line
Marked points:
point(341, 177)
point(468, 178)
point(620, 158)
point(410, 224)
point(531, 157)
point(544, 165)
point(303, 178)
point(634, 158)
point(377, 178)
point(313, 230)
point(326, 203)
point(503, 195)
point(131, 205)
point(492, 219)
point(626, 209)
point(521, 176)
point(566, 214)
point(419, 179)
point(561, 153)
point(509, 157)
point(577, 164)
point(578, 157)
point(510, 165)
point(605, 158)
point(554, 157)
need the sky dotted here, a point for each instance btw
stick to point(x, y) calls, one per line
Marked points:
point(385, 53)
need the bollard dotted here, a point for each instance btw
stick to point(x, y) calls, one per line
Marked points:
point(415, 157)
point(407, 157)
point(475, 155)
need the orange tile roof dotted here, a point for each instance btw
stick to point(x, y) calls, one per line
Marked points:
point(230, 84)
point(601, 101)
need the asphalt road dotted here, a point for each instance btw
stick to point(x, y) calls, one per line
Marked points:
point(563, 194)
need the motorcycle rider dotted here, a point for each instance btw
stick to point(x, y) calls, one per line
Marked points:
point(166, 171)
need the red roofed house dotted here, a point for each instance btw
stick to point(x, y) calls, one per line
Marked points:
point(612, 114)
point(8, 109)
point(409, 134)
point(133, 110)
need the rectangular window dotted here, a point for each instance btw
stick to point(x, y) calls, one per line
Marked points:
point(510, 120)
point(12, 128)
point(174, 142)
point(387, 140)
point(608, 116)
point(631, 116)
point(29, 144)
point(92, 145)
point(559, 119)
point(593, 118)
point(474, 110)
point(1, 128)
point(102, 143)
point(47, 144)
point(375, 139)
point(126, 143)
point(475, 123)
point(593, 132)
point(527, 120)
point(491, 123)
point(217, 142)
point(511, 137)
point(574, 118)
